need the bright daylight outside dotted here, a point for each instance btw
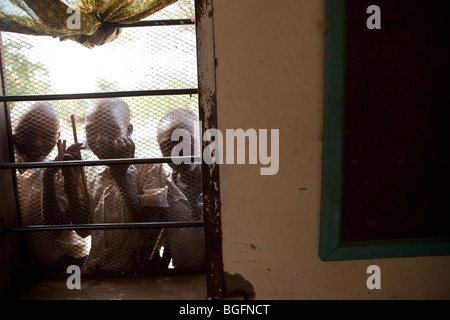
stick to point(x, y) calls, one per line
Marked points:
point(144, 58)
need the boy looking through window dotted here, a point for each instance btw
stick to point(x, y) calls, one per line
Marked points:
point(119, 193)
point(186, 245)
point(35, 133)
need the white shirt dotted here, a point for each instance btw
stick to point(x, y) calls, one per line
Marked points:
point(111, 249)
point(43, 246)
point(187, 245)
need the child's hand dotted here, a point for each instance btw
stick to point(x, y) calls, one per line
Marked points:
point(71, 174)
point(123, 148)
point(72, 153)
point(50, 172)
point(61, 145)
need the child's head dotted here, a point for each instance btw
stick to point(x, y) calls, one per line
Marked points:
point(35, 130)
point(178, 118)
point(106, 121)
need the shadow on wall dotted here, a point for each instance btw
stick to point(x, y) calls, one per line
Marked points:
point(236, 285)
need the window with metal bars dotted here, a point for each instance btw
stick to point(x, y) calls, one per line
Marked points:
point(150, 71)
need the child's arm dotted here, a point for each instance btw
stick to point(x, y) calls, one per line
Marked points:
point(78, 207)
point(124, 148)
point(53, 212)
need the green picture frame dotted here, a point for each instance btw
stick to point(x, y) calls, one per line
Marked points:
point(331, 248)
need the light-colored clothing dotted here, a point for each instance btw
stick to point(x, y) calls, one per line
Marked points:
point(181, 209)
point(45, 246)
point(112, 249)
point(187, 245)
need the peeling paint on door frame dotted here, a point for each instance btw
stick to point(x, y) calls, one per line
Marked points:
point(208, 116)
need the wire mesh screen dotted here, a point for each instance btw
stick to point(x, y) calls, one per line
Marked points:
point(130, 126)
point(141, 58)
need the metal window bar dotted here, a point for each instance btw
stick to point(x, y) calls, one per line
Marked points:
point(96, 95)
point(153, 23)
point(82, 163)
point(104, 226)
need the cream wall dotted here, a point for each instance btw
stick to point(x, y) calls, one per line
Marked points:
point(270, 57)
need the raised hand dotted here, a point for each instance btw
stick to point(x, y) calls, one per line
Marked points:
point(49, 173)
point(123, 148)
point(72, 175)
point(61, 145)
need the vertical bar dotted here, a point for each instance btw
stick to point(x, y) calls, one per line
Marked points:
point(7, 123)
point(210, 173)
point(11, 260)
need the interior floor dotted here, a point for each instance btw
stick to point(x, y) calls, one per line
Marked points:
point(177, 287)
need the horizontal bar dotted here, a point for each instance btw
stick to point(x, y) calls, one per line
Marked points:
point(82, 163)
point(104, 226)
point(98, 95)
point(152, 23)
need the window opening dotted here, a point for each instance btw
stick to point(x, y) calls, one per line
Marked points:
point(151, 68)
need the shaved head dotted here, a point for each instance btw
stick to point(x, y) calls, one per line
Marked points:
point(35, 130)
point(106, 121)
point(178, 118)
point(111, 106)
point(173, 119)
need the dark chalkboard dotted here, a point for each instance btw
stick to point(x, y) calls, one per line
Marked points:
point(386, 159)
point(396, 159)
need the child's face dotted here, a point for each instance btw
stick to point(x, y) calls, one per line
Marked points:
point(166, 144)
point(103, 127)
point(36, 136)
